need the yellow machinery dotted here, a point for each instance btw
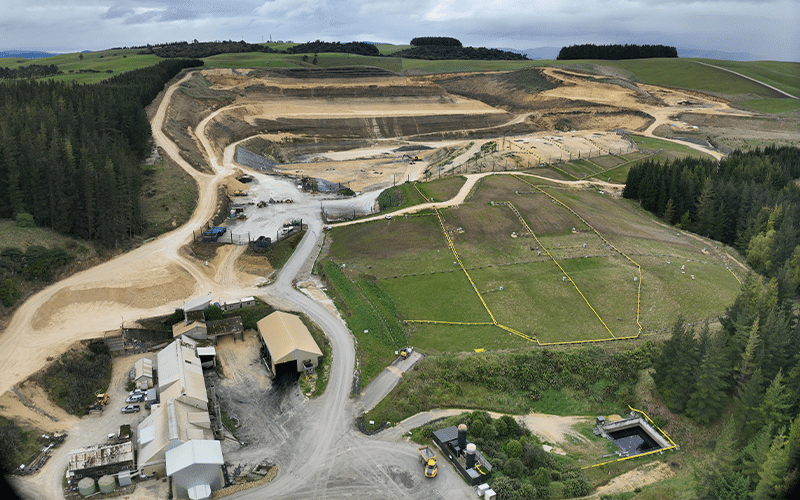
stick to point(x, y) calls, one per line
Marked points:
point(428, 460)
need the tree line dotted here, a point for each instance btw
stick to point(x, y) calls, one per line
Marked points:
point(70, 154)
point(439, 52)
point(198, 50)
point(357, 48)
point(434, 48)
point(31, 71)
point(747, 376)
point(615, 52)
point(436, 40)
point(749, 200)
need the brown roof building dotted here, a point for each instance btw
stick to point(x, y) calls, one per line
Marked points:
point(288, 343)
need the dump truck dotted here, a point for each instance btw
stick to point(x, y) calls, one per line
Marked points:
point(428, 459)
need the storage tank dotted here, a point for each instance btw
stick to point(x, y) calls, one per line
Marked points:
point(107, 484)
point(470, 459)
point(462, 436)
point(86, 486)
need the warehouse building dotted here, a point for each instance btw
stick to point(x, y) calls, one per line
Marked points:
point(176, 439)
point(288, 345)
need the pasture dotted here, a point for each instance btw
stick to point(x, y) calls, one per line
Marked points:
point(577, 266)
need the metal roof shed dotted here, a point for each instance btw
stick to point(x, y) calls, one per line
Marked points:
point(195, 468)
point(289, 343)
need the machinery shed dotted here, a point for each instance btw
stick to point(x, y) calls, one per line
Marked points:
point(288, 344)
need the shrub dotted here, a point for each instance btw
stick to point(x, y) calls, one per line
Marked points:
point(514, 449)
point(513, 467)
point(25, 220)
point(9, 293)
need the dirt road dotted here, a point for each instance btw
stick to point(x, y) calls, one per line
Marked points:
point(325, 457)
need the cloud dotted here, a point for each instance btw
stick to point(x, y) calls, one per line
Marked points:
point(768, 27)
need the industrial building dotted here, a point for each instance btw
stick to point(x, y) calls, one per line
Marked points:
point(468, 461)
point(100, 460)
point(181, 419)
point(195, 326)
point(230, 305)
point(289, 346)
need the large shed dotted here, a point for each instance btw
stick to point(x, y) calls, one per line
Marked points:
point(289, 345)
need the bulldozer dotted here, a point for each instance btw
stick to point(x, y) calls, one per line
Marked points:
point(101, 399)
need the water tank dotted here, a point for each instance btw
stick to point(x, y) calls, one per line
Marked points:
point(86, 486)
point(107, 484)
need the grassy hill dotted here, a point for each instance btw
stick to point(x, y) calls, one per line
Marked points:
point(90, 67)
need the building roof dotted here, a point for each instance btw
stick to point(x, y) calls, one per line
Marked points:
point(184, 327)
point(144, 368)
point(196, 451)
point(178, 364)
point(171, 421)
point(100, 456)
point(285, 334)
point(225, 326)
point(197, 304)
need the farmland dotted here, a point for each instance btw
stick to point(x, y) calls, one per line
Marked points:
point(566, 282)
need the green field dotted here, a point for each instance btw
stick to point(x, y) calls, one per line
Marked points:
point(587, 291)
point(96, 66)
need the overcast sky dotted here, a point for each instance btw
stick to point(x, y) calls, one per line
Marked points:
point(769, 29)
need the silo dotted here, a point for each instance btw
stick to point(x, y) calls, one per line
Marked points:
point(462, 437)
point(470, 458)
point(86, 486)
point(107, 484)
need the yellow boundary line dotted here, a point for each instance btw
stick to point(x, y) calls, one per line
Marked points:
point(494, 322)
point(514, 209)
point(734, 275)
point(638, 267)
point(673, 447)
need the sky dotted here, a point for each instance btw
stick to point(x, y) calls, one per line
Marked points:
point(768, 29)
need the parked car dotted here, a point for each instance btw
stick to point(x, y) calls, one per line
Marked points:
point(130, 409)
point(136, 391)
point(137, 398)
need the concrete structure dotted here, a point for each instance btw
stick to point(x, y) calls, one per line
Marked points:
point(288, 343)
point(143, 374)
point(633, 435)
point(96, 461)
point(195, 329)
point(196, 469)
point(195, 326)
point(229, 326)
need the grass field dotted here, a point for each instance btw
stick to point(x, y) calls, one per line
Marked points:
point(771, 106)
point(100, 65)
point(587, 291)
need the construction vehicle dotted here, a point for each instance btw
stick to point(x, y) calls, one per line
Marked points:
point(404, 353)
point(101, 399)
point(428, 459)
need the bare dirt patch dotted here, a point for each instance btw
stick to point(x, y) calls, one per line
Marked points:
point(643, 475)
point(13, 408)
point(142, 288)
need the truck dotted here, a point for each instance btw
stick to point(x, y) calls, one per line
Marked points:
point(428, 459)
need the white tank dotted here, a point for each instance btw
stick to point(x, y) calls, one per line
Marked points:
point(86, 486)
point(107, 484)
